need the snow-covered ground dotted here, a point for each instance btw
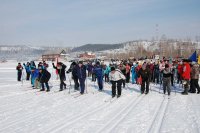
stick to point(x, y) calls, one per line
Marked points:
point(24, 110)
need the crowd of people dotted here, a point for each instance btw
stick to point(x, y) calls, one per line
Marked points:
point(118, 73)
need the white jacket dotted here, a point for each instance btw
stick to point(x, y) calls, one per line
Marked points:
point(116, 76)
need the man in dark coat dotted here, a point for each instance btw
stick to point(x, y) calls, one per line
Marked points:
point(44, 77)
point(145, 74)
point(74, 76)
point(81, 74)
point(61, 71)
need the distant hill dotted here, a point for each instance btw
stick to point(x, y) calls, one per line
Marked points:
point(97, 47)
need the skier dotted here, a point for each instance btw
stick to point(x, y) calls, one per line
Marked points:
point(195, 78)
point(166, 79)
point(28, 70)
point(116, 77)
point(81, 74)
point(34, 77)
point(74, 76)
point(122, 68)
point(145, 74)
point(19, 69)
point(98, 70)
point(44, 77)
point(186, 76)
point(156, 73)
point(61, 71)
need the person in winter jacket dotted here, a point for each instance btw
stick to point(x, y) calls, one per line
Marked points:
point(161, 68)
point(36, 79)
point(166, 79)
point(74, 76)
point(81, 74)
point(106, 73)
point(19, 69)
point(145, 74)
point(128, 71)
point(194, 79)
point(98, 70)
point(133, 72)
point(28, 70)
point(93, 74)
point(116, 77)
point(186, 76)
point(122, 68)
point(44, 77)
point(61, 71)
point(89, 69)
point(179, 72)
point(156, 73)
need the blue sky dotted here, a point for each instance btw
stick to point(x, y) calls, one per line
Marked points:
point(78, 22)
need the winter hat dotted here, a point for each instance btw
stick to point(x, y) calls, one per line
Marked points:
point(112, 69)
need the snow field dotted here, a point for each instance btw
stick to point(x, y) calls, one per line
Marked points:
point(23, 109)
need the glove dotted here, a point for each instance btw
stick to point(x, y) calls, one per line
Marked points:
point(24, 64)
point(67, 72)
point(53, 64)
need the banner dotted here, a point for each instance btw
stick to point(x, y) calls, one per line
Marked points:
point(193, 57)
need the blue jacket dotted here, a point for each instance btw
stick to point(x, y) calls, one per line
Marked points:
point(108, 70)
point(36, 73)
point(28, 68)
point(98, 71)
point(80, 72)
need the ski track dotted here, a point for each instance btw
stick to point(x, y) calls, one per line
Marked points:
point(191, 114)
point(35, 115)
point(159, 116)
point(109, 126)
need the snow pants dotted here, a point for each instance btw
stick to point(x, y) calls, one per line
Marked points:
point(166, 85)
point(119, 87)
point(82, 85)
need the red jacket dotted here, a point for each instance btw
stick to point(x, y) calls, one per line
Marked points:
point(186, 71)
point(180, 69)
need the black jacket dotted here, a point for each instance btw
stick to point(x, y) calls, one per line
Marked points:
point(145, 74)
point(61, 71)
point(73, 70)
point(44, 76)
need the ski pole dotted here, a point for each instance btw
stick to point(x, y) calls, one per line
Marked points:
point(69, 83)
point(86, 86)
point(160, 88)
